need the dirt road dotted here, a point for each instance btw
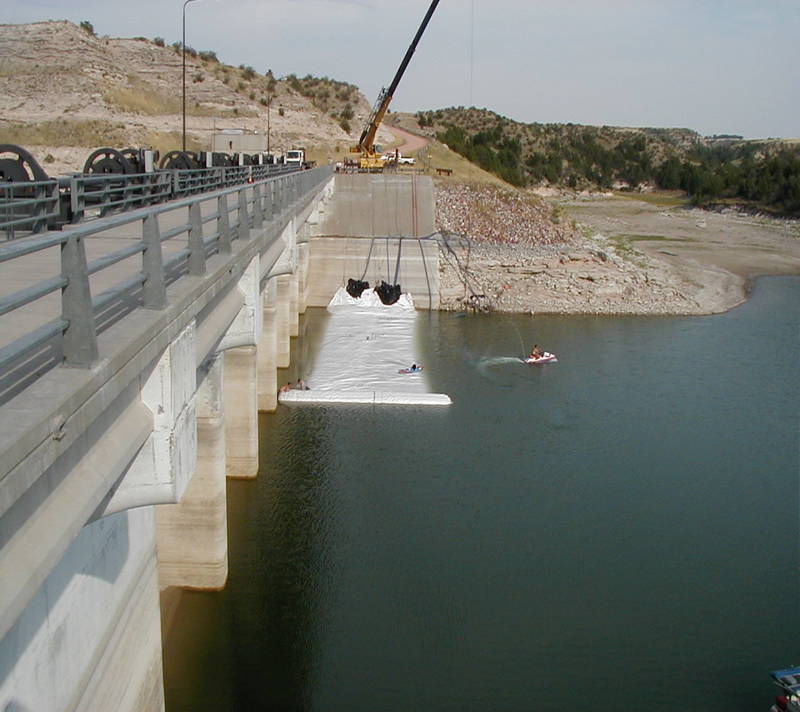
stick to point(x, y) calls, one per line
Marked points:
point(412, 143)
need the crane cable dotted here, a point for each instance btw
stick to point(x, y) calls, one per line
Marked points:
point(369, 255)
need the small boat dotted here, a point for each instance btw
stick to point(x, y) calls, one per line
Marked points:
point(789, 682)
point(546, 357)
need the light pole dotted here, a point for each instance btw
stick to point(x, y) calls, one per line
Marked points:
point(269, 103)
point(183, 51)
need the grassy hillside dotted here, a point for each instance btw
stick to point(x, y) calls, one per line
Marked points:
point(709, 169)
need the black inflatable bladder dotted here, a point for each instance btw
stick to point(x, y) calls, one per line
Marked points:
point(355, 287)
point(388, 293)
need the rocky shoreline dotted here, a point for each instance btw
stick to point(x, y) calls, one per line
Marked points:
point(533, 258)
point(582, 277)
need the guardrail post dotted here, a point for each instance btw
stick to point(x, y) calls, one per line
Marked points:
point(107, 194)
point(39, 208)
point(244, 217)
point(273, 194)
point(258, 207)
point(197, 248)
point(223, 225)
point(154, 292)
point(76, 199)
point(55, 205)
point(80, 339)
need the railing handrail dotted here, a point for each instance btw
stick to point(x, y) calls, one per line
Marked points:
point(264, 200)
point(104, 192)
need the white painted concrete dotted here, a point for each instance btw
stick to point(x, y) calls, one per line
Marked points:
point(192, 536)
point(267, 360)
point(161, 471)
point(90, 637)
point(241, 408)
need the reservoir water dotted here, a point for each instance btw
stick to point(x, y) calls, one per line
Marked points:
point(617, 530)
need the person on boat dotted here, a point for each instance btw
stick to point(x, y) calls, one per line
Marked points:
point(287, 387)
point(301, 385)
point(536, 352)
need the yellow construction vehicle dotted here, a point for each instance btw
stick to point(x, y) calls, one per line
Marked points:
point(370, 159)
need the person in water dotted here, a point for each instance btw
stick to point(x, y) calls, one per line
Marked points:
point(413, 369)
point(536, 352)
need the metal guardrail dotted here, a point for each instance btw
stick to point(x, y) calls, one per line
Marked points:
point(72, 335)
point(32, 207)
point(29, 206)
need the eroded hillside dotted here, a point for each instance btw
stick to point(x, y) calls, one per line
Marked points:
point(64, 90)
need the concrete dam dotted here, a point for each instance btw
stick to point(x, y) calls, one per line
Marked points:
point(136, 351)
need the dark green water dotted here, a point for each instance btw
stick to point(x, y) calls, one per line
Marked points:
point(619, 529)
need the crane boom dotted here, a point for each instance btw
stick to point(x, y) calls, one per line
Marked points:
point(366, 144)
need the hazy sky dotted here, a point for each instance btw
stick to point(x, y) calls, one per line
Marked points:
point(716, 66)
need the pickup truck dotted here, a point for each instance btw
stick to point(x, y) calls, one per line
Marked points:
point(391, 157)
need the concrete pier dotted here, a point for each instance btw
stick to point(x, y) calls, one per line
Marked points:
point(283, 329)
point(241, 408)
point(267, 352)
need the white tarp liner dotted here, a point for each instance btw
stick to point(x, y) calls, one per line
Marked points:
point(368, 397)
point(365, 345)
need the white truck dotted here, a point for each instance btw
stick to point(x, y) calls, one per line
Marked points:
point(297, 157)
point(399, 158)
